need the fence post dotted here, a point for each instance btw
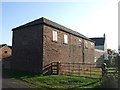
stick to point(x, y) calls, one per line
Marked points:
point(79, 69)
point(69, 69)
point(51, 68)
point(90, 70)
point(104, 70)
point(58, 68)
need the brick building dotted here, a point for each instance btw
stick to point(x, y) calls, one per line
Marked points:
point(5, 51)
point(42, 41)
point(5, 55)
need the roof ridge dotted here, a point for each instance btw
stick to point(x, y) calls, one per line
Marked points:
point(48, 22)
point(1, 45)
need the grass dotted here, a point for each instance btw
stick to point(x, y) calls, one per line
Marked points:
point(60, 81)
point(94, 73)
point(46, 82)
point(111, 80)
point(112, 72)
point(34, 80)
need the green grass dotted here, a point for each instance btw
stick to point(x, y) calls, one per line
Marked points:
point(34, 80)
point(94, 73)
point(111, 80)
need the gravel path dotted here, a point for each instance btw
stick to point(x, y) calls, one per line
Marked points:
point(7, 82)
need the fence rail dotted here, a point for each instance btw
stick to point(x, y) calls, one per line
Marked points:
point(78, 69)
point(112, 71)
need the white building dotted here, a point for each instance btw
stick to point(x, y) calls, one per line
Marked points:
point(100, 44)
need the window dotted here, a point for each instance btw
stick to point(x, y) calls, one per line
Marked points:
point(54, 36)
point(80, 42)
point(86, 44)
point(92, 45)
point(95, 59)
point(65, 38)
point(5, 51)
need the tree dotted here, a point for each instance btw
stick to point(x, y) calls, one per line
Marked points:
point(112, 57)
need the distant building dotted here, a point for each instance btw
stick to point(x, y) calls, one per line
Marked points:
point(40, 42)
point(99, 57)
point(101, 48)
point(5, 51)
point(5, 55)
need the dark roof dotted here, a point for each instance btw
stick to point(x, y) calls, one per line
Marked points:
point(99, 41)
point(10, 47)
point(1, 45)
point(52, 24)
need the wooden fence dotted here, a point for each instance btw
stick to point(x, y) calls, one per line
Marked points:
point(80, 69)
point(112, 71)
point(77, 69)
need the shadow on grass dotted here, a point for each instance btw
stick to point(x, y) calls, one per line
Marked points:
point(17, 73)
point(24, 74)
point(108, 82)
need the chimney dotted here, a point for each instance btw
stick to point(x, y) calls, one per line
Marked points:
point(104, 35)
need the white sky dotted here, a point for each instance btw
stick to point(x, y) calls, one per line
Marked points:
point(104, 20)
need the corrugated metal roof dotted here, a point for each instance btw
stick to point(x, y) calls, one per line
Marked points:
point(52, 24)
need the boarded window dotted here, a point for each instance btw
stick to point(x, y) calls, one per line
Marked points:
point(65, 38)
point(95, 59)
point(92, 45)
point(80, 42)
point(54, 36)
point(86, 44)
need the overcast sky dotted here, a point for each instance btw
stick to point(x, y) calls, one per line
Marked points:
point(91, 18)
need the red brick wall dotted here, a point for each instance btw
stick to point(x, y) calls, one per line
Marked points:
point(89, 52)
point(33, 48)
point(58, 51)
point(5, 52)
point(28, 48)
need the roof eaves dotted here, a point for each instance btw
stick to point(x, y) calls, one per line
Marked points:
point(2, 45)
point(10, 47)
point(99, 40)
point(63, 28)
point(52, 24)
point(35, 22)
